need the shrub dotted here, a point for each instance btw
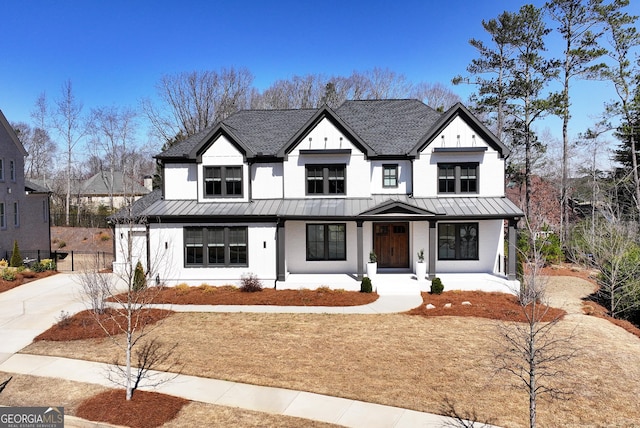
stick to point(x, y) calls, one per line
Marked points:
point(373, 257)
point(62, 244)
point(16, 258)
point(436, 286)
point(4, 264)
point(9, 274)
point(139, 278)
point(48, 264)
point(104, 236)
point(365, 285)
point(250, 283)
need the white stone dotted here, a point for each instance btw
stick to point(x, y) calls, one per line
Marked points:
point(466, 303)
point(430, 306)
point(447, 306)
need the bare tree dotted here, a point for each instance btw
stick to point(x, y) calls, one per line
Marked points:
point(193, 101)
point(435, 95)
point(129, 302)
point(113, 131)
point(68, 121)
point(534, 352)
point(612, 247)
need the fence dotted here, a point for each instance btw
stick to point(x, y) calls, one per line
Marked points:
point(68, 261)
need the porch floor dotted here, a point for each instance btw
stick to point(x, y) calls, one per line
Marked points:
point(398, 282)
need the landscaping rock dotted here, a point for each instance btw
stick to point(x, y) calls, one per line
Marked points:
point(447, 305)
point(466, 303)
point(430, 306)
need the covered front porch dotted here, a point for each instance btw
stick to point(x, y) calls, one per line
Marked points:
point(397, 282)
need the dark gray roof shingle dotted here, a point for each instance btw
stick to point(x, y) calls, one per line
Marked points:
point(389, 127)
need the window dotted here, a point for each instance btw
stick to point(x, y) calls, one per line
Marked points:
point(458, 241)
point(1, 169)
point(458, 178)
point(222, 181)
point(12, 170)
point(389, 176)
point(3, 223)
point(16, 215)
point(326, 242)
point(215, 246)
point(326, 179)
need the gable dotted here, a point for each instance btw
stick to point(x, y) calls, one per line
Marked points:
point(222, 147)
point(227, 138)
point(396, 207)
point(325, 124)
point(459, 130)
point(9, 135)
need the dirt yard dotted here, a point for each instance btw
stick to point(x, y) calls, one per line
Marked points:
point(411, 361)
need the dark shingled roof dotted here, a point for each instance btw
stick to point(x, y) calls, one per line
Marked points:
point(138, 207)
point(388, 127)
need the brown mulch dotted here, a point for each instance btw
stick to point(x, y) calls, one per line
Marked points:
point(144, 410)
point(23, 278)
point(88, 325)
point(496, 306)
point(229, 295)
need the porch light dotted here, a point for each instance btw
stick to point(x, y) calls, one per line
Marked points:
point(310, 142)
point(325, 142)
point(442, 139)
point(458, 142)
point(473, 140)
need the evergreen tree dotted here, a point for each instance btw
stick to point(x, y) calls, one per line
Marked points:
point(16, 258)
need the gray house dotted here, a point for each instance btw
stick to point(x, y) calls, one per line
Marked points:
point(24, 206)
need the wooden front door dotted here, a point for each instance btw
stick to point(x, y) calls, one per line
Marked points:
point(391, 244)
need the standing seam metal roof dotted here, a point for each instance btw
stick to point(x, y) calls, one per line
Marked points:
point(462, 207)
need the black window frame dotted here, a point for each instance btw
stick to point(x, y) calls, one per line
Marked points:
point(3, 216)
point(206, 243)
point(454, 182)
point(12, 170)
point(458, 247)
point(16, 214)
point(393, 167)
point(1, 169)
point(326, 242)
point(226, 178)
point(325, 179)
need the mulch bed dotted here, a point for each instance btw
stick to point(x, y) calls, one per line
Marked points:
point(23, 278)
point(496, 306)
point(144, 410)
point(88, 325)
point(229, 295)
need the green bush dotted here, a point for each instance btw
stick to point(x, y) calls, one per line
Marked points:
point(436, 286)
point(139, 278)
point(365, 285)
point(250, 283)
point(9, 274)
point(16, 258)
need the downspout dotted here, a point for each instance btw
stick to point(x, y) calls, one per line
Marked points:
point(147, 239)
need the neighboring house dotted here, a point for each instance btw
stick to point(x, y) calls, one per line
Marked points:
point(24, 206)
point(290, 193)
point(105, 189)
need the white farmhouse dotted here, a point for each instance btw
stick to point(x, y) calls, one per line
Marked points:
point(301, 198)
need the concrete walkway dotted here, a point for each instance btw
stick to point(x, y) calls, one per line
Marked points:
point(28, 310)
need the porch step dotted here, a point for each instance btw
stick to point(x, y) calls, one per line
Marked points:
point(398, 285)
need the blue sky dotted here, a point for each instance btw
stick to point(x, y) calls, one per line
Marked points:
point(115, 51)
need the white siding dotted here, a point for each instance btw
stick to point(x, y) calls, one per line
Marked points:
point(261, 255)
point(266, 181)
point(180, 181)
point(490, 249)
point(404, 177)
point(491, 166)
point(223, 153)
point(325, 136)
